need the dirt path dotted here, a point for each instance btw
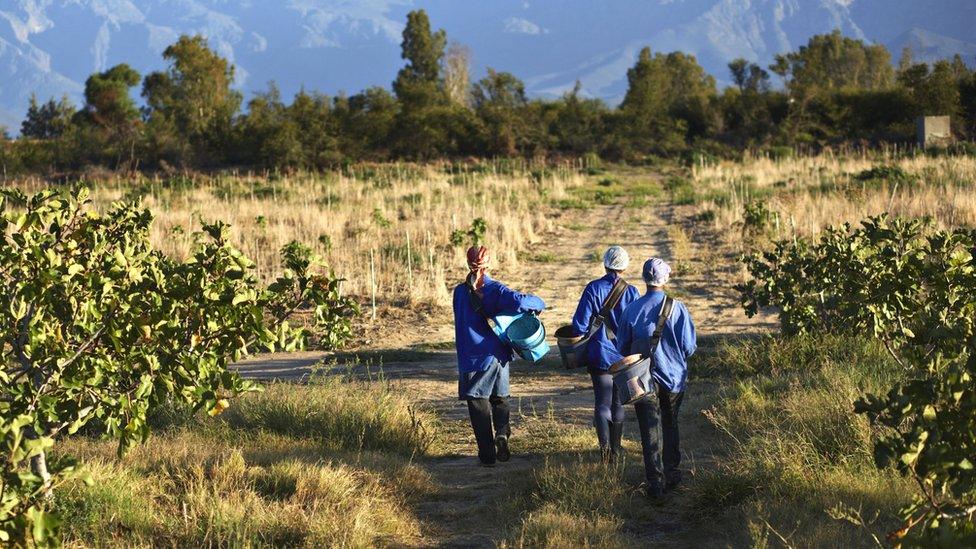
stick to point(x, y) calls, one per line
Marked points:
point(457, 518)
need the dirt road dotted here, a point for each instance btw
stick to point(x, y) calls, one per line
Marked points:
point(572, 257)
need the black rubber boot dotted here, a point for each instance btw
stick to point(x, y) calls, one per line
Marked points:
point(673, 479)
point(655, 492)
point(602, 426)
point(501, 448)
point(616, 441)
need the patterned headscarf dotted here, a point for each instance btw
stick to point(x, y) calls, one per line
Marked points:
point(478, 260)
point(656, 272)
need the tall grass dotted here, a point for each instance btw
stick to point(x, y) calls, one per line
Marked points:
point(807, 194)
point(341, 414)
point(322, 465)
point(575, 504)
point(386, 227)
point(797, 455)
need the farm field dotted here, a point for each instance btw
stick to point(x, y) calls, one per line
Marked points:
point(369, 446)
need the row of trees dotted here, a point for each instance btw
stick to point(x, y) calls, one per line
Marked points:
point(834, 89)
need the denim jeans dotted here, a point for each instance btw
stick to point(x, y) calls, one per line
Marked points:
point(657, 419)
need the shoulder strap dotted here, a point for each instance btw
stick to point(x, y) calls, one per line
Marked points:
point(667, 307)
point(617, 292)
point(479, 307)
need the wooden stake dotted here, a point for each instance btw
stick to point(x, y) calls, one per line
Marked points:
point(409, 262)
point(372, 281)
point(430, 256)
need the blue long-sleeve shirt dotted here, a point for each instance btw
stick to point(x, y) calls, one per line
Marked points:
point(677, 340)
point(476, 343)
point(601, 352)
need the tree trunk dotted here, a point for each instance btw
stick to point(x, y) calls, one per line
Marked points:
point(39, 467)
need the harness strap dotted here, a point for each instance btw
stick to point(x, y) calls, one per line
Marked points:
point(597, 320)
point(479, 307)
point(667, 307)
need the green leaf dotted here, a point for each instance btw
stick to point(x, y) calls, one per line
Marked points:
point(44, 525)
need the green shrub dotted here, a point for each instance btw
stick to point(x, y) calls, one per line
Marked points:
point(756, 216)
point(135, 331)
point(475, 234)
point(911, 287)
point(885, 175)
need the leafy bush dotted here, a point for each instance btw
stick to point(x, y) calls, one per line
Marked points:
point(99, 328)
point(879, 175)
point(914, 289)
point(756, 216)
point(475, 234)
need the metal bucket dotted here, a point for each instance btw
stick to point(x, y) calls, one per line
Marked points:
point(572, 349)
point(632, 378)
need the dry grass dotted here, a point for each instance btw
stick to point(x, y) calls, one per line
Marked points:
point(807, 194)
point(341, 414)
point(796, 450)
point(397, 218)
point(255, 478)
point(575, 504)
point(682, 249)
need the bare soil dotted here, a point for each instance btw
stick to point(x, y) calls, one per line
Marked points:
point(470, 509)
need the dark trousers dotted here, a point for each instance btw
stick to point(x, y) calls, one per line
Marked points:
point(486, 412)
point(607, 406)
point(660, 442)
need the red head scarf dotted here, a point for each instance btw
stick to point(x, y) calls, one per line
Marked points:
point(477, 263)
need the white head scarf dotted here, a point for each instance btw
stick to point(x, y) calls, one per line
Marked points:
point(616, 258)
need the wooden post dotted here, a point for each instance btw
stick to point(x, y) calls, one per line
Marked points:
point(430, 256)
point(372, 281)
point(409, 262)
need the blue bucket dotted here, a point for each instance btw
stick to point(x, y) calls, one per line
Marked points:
point(632, 378)
point(528, 336)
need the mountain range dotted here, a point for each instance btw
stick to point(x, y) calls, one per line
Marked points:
point(49, 47)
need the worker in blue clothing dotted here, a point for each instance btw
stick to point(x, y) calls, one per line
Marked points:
point(601, 350)
point(657, 415)
point(483, 359)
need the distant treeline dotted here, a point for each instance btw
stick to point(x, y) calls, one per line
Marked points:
point(836, 90)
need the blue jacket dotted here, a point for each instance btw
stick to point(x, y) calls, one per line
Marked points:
point(677, 340)
point(476, 343)
point(601, 352)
